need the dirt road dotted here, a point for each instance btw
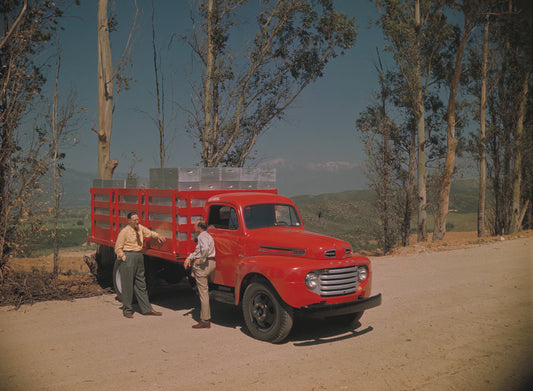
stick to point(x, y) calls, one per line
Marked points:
point(456, 320)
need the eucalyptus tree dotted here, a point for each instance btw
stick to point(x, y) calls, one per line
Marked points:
point(110, 82)
point(509, 106)
point(245, 86)
point(415, 34)
point(471, 11)
point(379, 135)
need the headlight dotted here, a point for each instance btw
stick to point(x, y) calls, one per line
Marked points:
point(363, 273)
point(311, 280)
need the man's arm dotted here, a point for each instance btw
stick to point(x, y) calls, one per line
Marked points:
point(152, 234)
point(199, 252)
point(119, 246)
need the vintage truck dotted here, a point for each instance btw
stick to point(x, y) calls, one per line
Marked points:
point(267, 263)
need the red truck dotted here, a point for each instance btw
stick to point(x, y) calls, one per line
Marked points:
point(267, 263)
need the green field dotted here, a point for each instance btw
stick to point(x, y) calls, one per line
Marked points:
point(74, 225)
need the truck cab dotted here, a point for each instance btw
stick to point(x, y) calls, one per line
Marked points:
point(270, 265)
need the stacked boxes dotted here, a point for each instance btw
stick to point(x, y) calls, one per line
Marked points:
point(199, 178)
point(164, 178)
point(266, 178)
point(120, 183)
point(209, 178)
point(117, 183)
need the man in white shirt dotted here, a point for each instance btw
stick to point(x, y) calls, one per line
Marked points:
point(202, 260)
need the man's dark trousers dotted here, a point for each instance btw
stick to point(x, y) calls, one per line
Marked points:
point(132, 279)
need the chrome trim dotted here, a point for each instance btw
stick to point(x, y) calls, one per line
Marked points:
point(337, 281)
point(282, 250)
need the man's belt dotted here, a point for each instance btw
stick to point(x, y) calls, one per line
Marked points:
point(210, 258)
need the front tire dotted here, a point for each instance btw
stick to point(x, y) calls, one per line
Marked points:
point(266, 316)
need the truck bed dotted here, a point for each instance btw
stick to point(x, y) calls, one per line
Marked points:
point(170, 212)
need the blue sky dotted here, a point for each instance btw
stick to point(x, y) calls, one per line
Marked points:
point(319, 128)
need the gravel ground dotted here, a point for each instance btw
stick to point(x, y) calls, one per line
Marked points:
point(453, 320)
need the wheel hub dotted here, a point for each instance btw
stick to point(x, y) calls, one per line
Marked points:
point(262, 311)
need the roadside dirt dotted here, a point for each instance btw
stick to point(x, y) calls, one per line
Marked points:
point(28, 280)
point(450, 320)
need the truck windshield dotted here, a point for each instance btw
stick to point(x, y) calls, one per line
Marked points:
point(270, 215)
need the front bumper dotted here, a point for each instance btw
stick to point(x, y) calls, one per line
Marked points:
point(324, 310)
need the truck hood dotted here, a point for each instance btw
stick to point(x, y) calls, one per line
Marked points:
point(288, 241)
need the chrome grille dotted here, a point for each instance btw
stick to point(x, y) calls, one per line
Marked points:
point(341, 281)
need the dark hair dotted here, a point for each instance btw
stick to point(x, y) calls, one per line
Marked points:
point(202, 224)
point(132, 214)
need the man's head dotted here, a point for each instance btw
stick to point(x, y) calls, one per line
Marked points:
point(200, 226)
point(133, 220)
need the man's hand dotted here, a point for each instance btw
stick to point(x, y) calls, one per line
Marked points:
point(161, 239)
point(187, 263)
point(123, 258)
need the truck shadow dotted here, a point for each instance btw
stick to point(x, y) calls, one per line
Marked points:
point(174, 297)
point(311, 332)
point(180, 296)
point(305, 332)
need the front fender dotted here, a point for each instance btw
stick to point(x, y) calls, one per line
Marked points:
point(287, 276)
point(279, 271)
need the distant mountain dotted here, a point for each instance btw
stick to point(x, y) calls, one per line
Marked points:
point(316, 178)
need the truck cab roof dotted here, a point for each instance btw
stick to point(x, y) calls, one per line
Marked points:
point(250, 198)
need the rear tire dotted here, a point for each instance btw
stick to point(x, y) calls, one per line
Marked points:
point(117, 282)
point(266, 316)
point(105, 260)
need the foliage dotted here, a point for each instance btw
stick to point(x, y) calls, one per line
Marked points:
point(243, 90)
point(428, 63)
point(25, 148)
point(509, 126)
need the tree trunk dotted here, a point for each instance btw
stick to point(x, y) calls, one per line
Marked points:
point(159, 99)
point(106, 166)
point(421, 137)
point(445, 183)
point(482, 123)
point(208, 91)
point(517, 213)
point(409, 196)
point(55, 167)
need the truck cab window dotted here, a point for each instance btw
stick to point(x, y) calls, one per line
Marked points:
point(223, 217)
point(270, 215)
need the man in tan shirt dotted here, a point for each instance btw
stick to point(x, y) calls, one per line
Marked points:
point(130, 265)
point(202, 260)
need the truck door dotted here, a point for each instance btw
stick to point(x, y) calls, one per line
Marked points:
point(225, 228)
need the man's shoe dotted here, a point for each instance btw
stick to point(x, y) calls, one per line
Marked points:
point(154, 313)
point(203, 324)
point(128, 315)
